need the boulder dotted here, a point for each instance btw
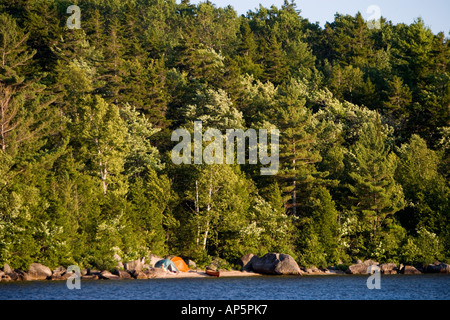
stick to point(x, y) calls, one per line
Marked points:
point(59, 277)
point(276, 263)
point(89, 277)
point(361, 267)
point(122, 274)
point(437, 267)
point(118, 259)
point(409, 270)
point(313, 270)
point(106, 275)
point(5, 278)
point(246, 261)
point(14, 275)
point(135, 265)
point(155, 273)
point(19, 275)
point(7, 269)
point(139, 275)
point(60, 274)
point(388, 268)
point(59, 270)
point(153, 258)
point(92, 272)
point(334, 270)
point(191, 264)
point(38, 271)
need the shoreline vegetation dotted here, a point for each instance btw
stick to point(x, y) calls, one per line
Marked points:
point(251, 265)
point(87, 118)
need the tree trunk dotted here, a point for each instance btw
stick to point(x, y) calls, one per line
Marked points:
point(197, 210)
point(208, 209)
point(294, 190)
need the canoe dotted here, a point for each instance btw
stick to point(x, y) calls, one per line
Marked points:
point(213, 273)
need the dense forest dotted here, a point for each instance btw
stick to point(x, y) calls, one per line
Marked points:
point(87, 117)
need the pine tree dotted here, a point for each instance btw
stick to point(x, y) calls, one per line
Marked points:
point(112, 66)
point(24, 113)
point(297, 154)
point(275, 63)
point(375, 193)
point(400, 98)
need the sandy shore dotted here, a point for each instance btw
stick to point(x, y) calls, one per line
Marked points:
point(202, 274)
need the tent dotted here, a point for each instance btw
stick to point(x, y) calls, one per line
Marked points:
point(180, 264)
point(167, 264)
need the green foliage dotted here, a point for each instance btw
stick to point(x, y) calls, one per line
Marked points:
point(86, 117)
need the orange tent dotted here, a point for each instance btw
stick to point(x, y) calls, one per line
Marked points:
point(180, 264)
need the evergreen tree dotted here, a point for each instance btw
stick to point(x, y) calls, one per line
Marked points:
point(374, 192)
point(24, 112)
point(297, 154)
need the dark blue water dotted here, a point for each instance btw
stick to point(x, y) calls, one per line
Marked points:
point(393, 287)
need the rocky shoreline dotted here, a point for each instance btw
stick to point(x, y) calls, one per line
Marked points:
point(251, 265)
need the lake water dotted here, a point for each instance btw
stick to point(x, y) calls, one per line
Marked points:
point(348, 287)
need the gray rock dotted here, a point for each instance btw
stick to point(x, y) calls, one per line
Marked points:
point(135, 265)
point(19, 275)
point(38, 271)
point(437, 267)
point(155, 273)
point(276, 263)
point(191, 264)
point(388, 268)
point(138, 275)
point(92, 272)
point(106, 275)
point(246, 262)
point(334, 271)
point(5, 278)
point(153, 258)
point(409, 270)
point(122, 274)
point(14, 275)
point(361, 268)
point(7, 269)
point(313, 270)
point(61, 276)
point(59, 270)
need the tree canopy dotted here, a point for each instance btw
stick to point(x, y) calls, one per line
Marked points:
point(86, 117)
